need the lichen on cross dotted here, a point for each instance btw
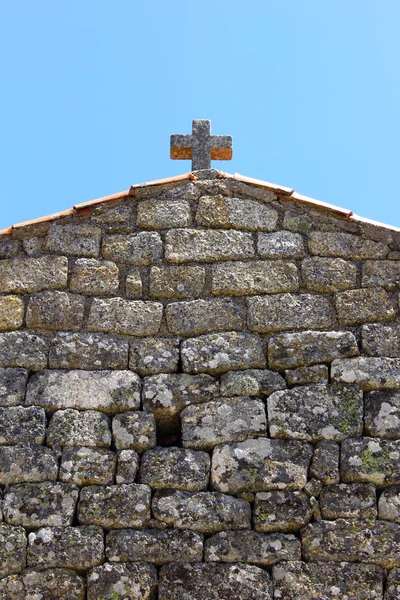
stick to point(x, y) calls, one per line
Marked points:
point(201, 147)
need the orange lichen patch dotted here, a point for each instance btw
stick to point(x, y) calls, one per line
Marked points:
point(180, 153)
point(221, 153)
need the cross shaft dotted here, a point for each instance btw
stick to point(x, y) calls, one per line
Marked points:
point(201, 147)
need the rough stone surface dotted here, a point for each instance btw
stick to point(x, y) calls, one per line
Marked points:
point(180, 581)
point(389, 504)
point(163, 214)
point(135, 430)
point(19, 425)
point(108, 391)
point(393, 585)
point(316, 412)
point(28, 462)
point(127, 466)
point(87, 351)
point(172, 282)
point(175, 468)
point(77, 240)
point(382, 273)
point(328, 274)
point(381, 340)
point(115, 506)
point(194, 245)
point(12, 386)
point(133, 581)
point(12, 549)
point(220, 352)
point(140, 249)
point(345, 245)
point(362, 306)
point(207, 512)
point(74, 428)
point(348, 501)
point(382, 414)
point(330, 581)
point(8, 247)
point(352, 540)
point(325, 462)
point(87, 466)
point(260, 277)
point(11, 312)
point(281, 511)
point(157, 547)
point(370, 460)
point(132, 317)
point(22, 275)
point(134, 284)
point(369, 373)
point(66, 547)
point(307, 375)
point(260, 465)
point(287, 311)
point(94, 277)
point(200, 316)
point(23, 349)
point(291, 350)
point(253, 382)
point(280, 244)
point(238, 213)
point(55, 310)
point(149, 356)
point(40, 504)
point(49, 584)
point(227, 420)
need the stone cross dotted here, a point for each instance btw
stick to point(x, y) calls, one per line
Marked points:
point(201, 146)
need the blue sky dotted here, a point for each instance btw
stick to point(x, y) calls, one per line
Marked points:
point(92, 90)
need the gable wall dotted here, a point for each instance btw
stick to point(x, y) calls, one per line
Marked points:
point(204, 374)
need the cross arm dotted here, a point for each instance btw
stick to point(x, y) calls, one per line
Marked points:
point(181, 146)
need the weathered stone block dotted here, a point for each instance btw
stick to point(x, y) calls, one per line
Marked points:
point(252, 547)
point(389, 504)
point(253, 382)
point(133, 284)
point(307, 375)
point(149, 356)
point(288, 311)
point(393, 585)
point(284, 511)
point(370, 460)
point(40, 504)
point(260, 277)
point(166, 395)
point(93, 277)
point(66, 547)
point(135, 430)
point(8, 247)
point(23, 349)
point(87, 466)
point(179, 581)
point(327, 275)
point(381, 273)
point(281, 244)
point(290, 350)
point(345, 245)
point(227, 420)
point(168, 282)
point(238, 213)
point(12, 549)
point(352, 540)
point(381, 340)
point(201, 316)
point(140, 249)
point(87, 351)
point(108, 391)
point(220, 352)
point(115, 506)
point(161, 213)
point(20, 425)
point(316, 412)
point(195, 245)
point(27, 463)
point(365, 305)
point(348, 501)
point(22, 275)
point(117, 315)
point(309, 581)
point(76, 239)
point(325, 462)
point(50, 584)
point(260, 465)
point(74, 428)
point(127, 466)
point(134, 581)
point(175, 468)
point(157, 547)
point(382, 414)
point(206, 512)
point(368, 373)
point(12, 386)
point(55, 310)
point(11, 312)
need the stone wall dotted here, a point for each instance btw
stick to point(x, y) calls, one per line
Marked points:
point(200, 398)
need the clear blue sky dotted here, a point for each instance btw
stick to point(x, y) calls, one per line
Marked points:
point(92, 90)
